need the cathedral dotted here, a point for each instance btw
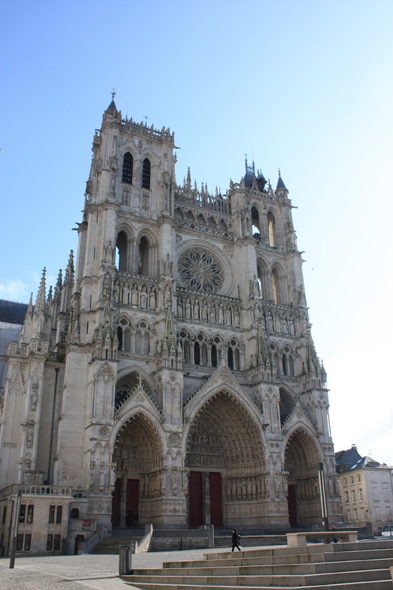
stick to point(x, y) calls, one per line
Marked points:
point(170, 377)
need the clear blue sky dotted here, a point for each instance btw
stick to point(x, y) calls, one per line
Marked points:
point(304, 85)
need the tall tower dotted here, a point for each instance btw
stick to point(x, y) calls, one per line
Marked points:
point(173, 372)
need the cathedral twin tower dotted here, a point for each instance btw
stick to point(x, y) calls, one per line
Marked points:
point(170, 377)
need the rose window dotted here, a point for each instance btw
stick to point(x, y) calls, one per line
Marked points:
point(201, 271)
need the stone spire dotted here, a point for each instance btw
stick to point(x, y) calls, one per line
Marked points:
point(39, 308)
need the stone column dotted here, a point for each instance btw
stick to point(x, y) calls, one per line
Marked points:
point(123, 500)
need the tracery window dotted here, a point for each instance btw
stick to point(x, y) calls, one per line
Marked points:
point(127, 168)
point(233, 356)
point(146, 173)
point(200, 270)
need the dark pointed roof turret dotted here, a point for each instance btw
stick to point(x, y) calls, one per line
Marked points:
point(280, 183)
point(112, 106)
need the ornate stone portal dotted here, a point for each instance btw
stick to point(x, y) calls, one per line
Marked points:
point(171, 377)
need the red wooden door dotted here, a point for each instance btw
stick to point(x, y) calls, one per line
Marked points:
point(292, 505)
point(195, 498)
point(116, 503)
point(215, 499)
point(132, 515)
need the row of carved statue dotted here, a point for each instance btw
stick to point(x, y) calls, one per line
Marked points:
point(208, 310)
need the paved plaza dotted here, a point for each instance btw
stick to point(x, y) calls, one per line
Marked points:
point(78, 572)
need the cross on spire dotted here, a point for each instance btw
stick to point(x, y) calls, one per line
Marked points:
point(113, 94)
point(146, 118)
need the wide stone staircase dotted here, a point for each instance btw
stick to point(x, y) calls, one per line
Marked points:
point(110, 544)
point(364, 565)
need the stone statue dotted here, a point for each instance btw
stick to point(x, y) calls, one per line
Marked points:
point(174, 481)
point(153, 298)
point(34, 398)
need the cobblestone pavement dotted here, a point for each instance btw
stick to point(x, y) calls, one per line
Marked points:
point(78, 572)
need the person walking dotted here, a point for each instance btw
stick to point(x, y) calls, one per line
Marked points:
point(235, 540)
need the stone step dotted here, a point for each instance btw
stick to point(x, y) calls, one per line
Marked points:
point(310, 548)
point(110, 545)
point(367, 585)
point(304, 557)
point(285, 568)
point(252, 540)
point(280, 579)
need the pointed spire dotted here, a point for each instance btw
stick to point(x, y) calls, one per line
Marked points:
point(29, 310)
point(280, 183)
point(39, 307)
point(112, 106)
point(188, 179)
point(69, 275)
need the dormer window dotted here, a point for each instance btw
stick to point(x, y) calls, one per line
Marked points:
point(127, 168)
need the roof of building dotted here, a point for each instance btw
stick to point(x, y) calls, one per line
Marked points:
point(12, 312)
point(280, 183)
point(350, 460)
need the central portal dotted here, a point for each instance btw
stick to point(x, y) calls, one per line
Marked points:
point(227, 468)
point(197, 506)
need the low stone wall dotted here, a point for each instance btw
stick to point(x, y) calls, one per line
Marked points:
point(175, 540)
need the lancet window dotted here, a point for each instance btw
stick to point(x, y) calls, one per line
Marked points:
point(275, 290)
point(128, 162)
point(146, 173)
point(121, 252)
point(272, 229)
point(133, 340)
point(143, 258)
point(233, 356)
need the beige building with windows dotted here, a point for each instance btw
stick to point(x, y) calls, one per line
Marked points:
point(170, 377)
point(366, 489)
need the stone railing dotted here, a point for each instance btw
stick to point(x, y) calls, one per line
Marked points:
point(44, 490)
point(203, 199)
point(204, 229)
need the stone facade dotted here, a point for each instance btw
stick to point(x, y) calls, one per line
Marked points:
point(170, 377)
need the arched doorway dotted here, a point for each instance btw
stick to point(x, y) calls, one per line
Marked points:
point(139, 487)
point(301, 463)
point(227, 477)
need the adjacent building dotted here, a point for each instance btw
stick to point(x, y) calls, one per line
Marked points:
point(366, 488)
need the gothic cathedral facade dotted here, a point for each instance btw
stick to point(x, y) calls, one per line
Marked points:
point(170, 377)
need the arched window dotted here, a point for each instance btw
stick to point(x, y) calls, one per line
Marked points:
point(186, 352)
point(237, 359)
point(214, 356)
point(127, 340)
point(276, 298)
point(143, 259)
point(260, 281)
point(146, 173)
point(284, 364)
point(291, 367)
point(272, 229)
point(277, 363)
point(197, 354)
point(256, 228)
point(127, 168)
point(121, 251)
point(230, 358)
point(120, 338)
